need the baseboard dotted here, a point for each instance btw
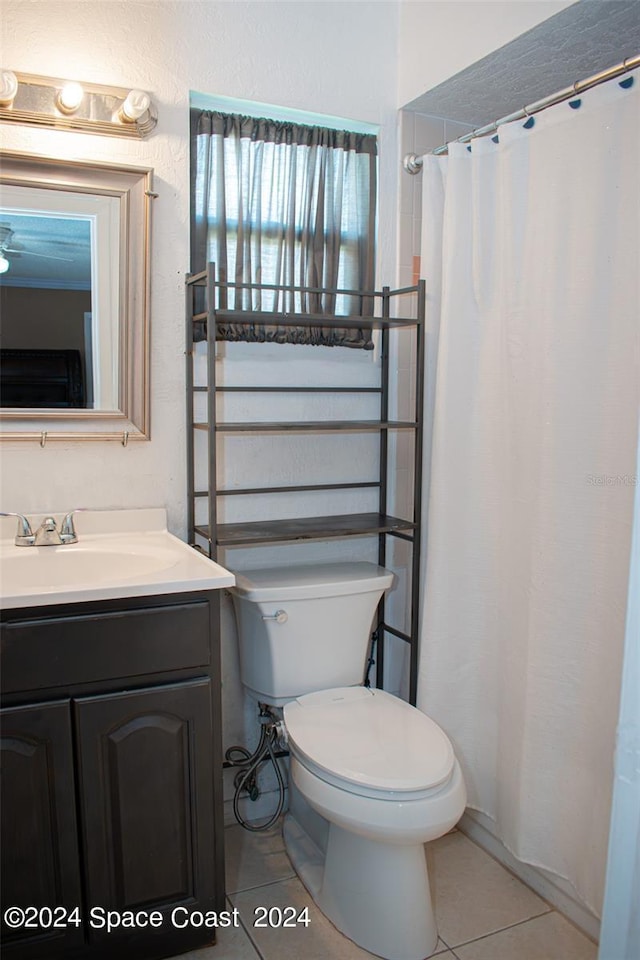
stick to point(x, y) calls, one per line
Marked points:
point(550, 888)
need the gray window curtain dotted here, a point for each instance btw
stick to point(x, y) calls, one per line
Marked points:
point(281, 203)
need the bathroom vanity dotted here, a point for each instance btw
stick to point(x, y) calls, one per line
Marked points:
point(111, 756)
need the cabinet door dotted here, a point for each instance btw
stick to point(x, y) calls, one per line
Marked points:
point(146, 787)
point(40, 863)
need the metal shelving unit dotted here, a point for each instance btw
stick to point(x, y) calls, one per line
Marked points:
point(202, 290)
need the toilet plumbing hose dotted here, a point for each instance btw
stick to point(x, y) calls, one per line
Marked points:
point(250, 762)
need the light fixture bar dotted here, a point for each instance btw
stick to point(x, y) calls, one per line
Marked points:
point(39, 101)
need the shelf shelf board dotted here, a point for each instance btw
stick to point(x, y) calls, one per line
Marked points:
point(297, 488)
point(196, 278)
point(306, 528)
point(202, 277)
point(285, 389)
point(310, 426)
point(262, 318)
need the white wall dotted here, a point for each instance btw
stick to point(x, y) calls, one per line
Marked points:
point(438, 38)
point(334, 58)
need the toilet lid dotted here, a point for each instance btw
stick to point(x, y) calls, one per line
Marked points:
point(371, 738)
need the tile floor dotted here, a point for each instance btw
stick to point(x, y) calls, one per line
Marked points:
point(483, 912)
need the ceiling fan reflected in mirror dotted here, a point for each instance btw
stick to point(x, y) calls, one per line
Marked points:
point(14, 248)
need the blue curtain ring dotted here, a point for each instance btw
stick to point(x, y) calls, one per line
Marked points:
point(529, 123)
point(575, 104)
point(626, 83)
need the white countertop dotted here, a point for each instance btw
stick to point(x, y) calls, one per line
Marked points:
point(119, 553)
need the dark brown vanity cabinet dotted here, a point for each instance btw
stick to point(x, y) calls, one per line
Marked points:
point(111, 783)
point(39, 843)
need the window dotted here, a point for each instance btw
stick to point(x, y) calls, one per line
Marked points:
point(286, 204)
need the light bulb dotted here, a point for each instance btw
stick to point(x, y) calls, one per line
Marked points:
point(8, 87)
point(4, 264)
point(69, 97)
point(135, 106)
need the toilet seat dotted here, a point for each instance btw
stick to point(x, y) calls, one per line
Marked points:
point(369, 742)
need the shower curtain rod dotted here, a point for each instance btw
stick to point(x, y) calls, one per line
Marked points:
point(412, 163)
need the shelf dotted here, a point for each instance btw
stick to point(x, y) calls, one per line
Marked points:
point(284, 389)
point(297, 488)
point(304, 426)
point(203, 319)
point(346, 322)
point(306, 528)
point(280, 389)
point(264, 318)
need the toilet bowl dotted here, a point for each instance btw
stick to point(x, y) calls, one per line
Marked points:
point(384, 778)
point(371, 777)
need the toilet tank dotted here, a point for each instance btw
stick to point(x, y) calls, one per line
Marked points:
point(305, 628)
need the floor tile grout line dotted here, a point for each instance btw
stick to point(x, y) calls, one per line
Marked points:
point(260, 886)
point(257, 886)
point(250, 938)
point(244, 929)
point(447, 947)
point(509, 926)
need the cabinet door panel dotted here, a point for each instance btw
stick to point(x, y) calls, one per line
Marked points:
point(146, 772)
point(40, 863)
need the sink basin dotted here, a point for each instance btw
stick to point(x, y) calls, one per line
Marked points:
point(106, 564)
point(75, 565)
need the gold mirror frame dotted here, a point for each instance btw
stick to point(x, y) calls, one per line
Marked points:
point(132, 186)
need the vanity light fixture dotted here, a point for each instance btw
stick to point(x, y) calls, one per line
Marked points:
point(68, 105)
point(69, 98)
point(8, 87)
point(135, 106)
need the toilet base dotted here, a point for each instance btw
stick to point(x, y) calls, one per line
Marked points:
point(377, 894)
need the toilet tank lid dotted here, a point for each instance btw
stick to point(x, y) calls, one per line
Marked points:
point(307, 580)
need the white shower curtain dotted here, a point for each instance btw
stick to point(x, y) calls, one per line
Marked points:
point(530, 255)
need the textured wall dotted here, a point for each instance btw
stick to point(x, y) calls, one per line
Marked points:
point(334, 58)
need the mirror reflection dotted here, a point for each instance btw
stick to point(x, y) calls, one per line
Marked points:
point(47, 355)
point(58, 329)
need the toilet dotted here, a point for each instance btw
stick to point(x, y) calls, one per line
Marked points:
point(372, 779)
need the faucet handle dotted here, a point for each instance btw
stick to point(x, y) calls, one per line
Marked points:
point(24, 536)
point(67, 530)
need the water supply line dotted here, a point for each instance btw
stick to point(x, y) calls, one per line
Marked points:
point(371, 659)
point(271, 733)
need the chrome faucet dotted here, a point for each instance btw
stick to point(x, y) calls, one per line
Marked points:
point(67, 531)
point(24, 536)
point(47, 534)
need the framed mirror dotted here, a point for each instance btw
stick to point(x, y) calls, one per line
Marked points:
point(74, 300)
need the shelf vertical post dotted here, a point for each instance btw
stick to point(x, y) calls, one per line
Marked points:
point(189, 310)
point(417, 497)
point(212, 433)
point(384, 470)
